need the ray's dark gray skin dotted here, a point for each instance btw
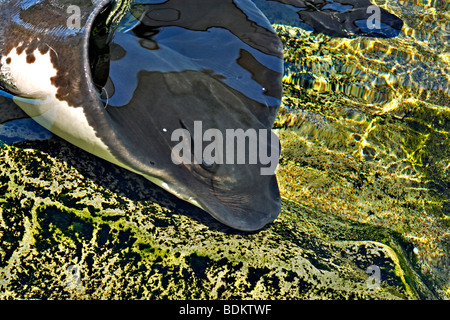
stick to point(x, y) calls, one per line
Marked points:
point(120, 89)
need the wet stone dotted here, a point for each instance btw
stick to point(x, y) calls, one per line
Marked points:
point(138, 241)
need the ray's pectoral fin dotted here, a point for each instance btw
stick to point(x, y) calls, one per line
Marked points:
point(234, 169)
point(197, 119)
point(249, 194)
point(210, 143)
point(339, 18)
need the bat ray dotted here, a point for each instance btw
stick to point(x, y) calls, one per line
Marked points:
point(119, 78)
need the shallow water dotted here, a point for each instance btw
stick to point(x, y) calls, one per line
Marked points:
point(364, 126)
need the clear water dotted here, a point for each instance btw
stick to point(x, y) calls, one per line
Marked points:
point(365, 128)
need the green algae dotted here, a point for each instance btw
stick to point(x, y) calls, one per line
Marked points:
point(177, 251)
point(364, 129)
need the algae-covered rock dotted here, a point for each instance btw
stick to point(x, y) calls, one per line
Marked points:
point(74, 226)
point(365, 126)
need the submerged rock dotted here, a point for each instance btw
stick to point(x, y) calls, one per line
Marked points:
point(365, 127)
point(75, 226)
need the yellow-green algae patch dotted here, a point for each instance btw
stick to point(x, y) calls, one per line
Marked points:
point(364, 128)
point(105, 221)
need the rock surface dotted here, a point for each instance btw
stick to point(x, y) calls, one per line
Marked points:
point(74, 226)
